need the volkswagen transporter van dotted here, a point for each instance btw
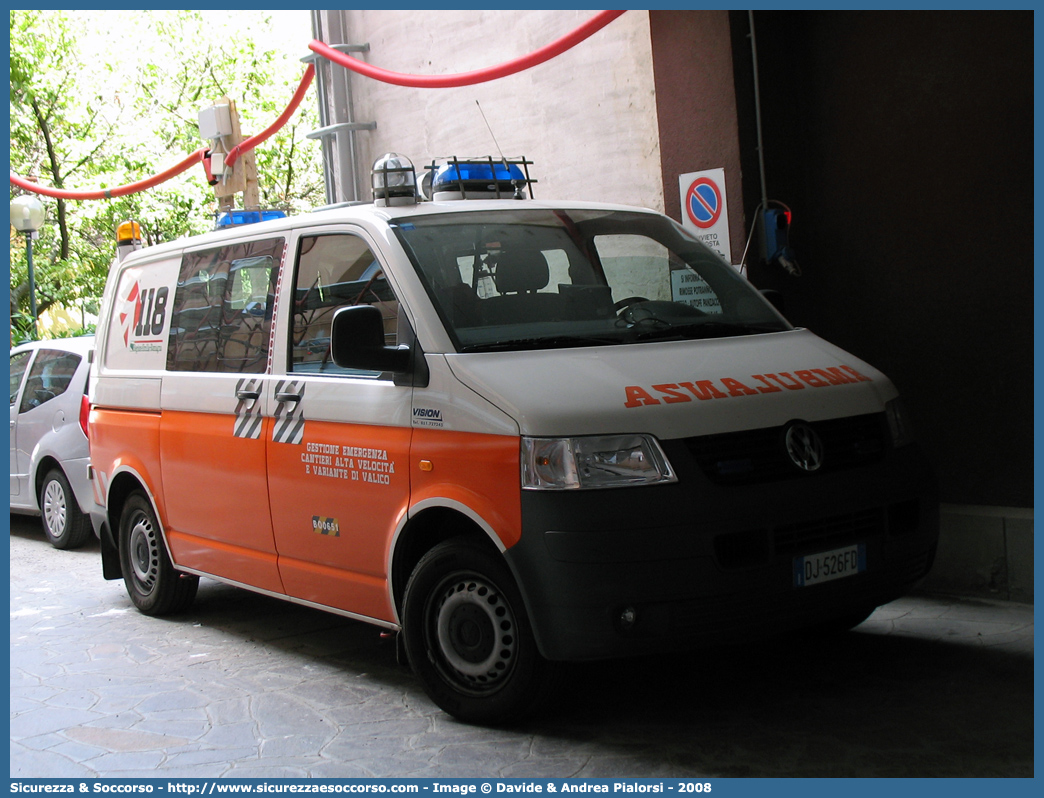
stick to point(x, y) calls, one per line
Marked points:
point(520, 433)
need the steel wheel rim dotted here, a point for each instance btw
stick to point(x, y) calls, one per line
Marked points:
point(475, 632)
point(55, 509)
point(143, 551)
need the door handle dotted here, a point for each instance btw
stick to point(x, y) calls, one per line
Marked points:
point(248, 394)
point(286, 396)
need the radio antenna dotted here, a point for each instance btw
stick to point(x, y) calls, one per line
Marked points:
point(514, 183)
point(490, 129)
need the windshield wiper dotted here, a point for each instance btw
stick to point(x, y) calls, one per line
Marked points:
point(551, 342)
point(709, 329)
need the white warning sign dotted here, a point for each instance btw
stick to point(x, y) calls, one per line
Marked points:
point(705, 211)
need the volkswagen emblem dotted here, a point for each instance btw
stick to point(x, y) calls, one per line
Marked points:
point(804, 447)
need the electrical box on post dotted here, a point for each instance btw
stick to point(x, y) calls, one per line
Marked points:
point(215, 122)
point(219, 124)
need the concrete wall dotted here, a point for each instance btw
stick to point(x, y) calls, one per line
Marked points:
point(588, 115)
point(984, 551)
point(696, 108)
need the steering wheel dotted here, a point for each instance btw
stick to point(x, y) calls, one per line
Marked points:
point(626, 302)
point(660, 315)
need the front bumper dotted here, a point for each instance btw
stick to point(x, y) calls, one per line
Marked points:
point(700, 563)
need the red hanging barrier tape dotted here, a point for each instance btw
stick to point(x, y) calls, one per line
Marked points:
point(248, 144)
point(202, 155)
point(545, 53)
point(109, 193)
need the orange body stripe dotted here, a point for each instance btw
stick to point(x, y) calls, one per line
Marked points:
point(128, 439)
point(271, 516)
point(479, 471)
point(254, 568)
point(216, 491)
point(337, 498)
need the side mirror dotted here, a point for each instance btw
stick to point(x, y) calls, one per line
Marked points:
point(357, 342)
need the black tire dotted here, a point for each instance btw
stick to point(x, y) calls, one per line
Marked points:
point(64, 524)
point(468, 638)
point(152, 583)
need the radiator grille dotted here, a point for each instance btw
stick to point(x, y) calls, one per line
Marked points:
point(754, 456)
point(824, 533)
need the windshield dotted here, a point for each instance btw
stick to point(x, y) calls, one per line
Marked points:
point(536, 279)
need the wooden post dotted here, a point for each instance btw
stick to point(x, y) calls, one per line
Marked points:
point(244, 171)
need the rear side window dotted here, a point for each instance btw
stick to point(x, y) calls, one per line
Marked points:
point(222, 312)
point(49, 378)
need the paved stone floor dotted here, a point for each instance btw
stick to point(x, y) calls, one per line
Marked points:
point(247, 686)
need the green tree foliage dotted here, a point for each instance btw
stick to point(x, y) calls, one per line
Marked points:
point(100, 99)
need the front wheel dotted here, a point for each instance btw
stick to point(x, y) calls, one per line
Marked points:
point(152, 583)
point(64, 524)
point(468, 638)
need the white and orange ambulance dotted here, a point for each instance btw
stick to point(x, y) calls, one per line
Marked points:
point(519, 432)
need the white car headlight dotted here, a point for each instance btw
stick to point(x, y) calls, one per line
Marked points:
point(611, 461)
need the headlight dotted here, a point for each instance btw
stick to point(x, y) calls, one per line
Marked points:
point(899, 423)
point(597, 462)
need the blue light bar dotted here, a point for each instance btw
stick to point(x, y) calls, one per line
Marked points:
point(452, 172)
point(235, 217)
point(479, 178)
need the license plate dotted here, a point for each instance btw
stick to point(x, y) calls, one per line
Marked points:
point(826, 566)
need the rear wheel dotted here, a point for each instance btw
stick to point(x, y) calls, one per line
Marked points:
point(468, 638)
point(65, 526)
point(152, 583)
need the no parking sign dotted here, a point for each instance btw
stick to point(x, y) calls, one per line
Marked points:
point(705, 210)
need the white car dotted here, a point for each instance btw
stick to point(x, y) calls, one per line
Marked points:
point(49, 450)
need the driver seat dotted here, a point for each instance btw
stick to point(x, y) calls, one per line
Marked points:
point(519, 277)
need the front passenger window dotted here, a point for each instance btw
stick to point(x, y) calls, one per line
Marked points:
point(335, 271)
